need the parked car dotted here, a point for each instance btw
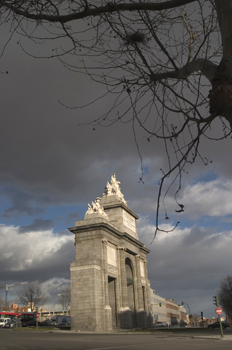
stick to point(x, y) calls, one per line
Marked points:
point(17, 323)
point(183, 324)
point(32, 323)
point(160, 324)
point(175, 325)
point(60, 320)
point(6, 323)
point(217, 325)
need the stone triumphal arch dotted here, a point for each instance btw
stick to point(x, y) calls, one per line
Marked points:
point(109, 283)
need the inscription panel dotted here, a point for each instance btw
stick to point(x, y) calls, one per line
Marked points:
point(129, 221)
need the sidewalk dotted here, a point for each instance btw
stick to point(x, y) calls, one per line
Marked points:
point(157, 334)
point(216, 337)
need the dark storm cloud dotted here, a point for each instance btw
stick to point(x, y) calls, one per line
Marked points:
point(47, 158)
point(18, 202)
point(37, 225)
point(48, 154)
point(44, 150)
point(74, 216)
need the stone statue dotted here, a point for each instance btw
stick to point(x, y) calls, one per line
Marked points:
point(109, 189)
point(90, 210)
point(96, 208)
point(114, 189)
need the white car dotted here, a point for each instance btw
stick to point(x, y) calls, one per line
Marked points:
point(6, 323)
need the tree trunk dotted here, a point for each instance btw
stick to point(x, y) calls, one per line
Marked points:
point(221, 93)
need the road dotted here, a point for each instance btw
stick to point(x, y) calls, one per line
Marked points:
point(24, 340)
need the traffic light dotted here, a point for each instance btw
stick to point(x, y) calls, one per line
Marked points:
point(215, 300)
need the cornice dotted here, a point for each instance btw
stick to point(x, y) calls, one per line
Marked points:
point(103, 225)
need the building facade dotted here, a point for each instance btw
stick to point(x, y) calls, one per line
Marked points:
point(176, 314)
point(158, 307)
point(109, 282)
point(167, 310)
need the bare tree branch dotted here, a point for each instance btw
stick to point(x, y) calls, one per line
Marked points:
point(32, 296)
point(168, 64)
point(225, 295)
point(110, 7)
point(207, 68)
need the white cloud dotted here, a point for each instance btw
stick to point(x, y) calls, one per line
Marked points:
point(51, 288)
point(187, 263)
point(21, 251)
point(211, 198)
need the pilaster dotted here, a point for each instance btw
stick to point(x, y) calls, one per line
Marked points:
point(107, 308)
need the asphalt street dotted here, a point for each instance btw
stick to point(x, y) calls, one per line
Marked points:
point(24, 340)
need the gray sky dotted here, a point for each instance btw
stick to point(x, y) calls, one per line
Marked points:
point(50, 168)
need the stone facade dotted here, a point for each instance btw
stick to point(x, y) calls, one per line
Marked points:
point(109, 284)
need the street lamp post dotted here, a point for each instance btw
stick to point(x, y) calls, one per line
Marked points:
point(190, 315)
point(62, 296)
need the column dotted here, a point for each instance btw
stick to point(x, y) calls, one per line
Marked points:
point(142, 315)
point(139, 283)
point(148, 298)
point(123, 277)
point(125, 315)
point(108, 311)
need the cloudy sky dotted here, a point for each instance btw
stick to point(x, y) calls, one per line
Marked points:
point(51, 167)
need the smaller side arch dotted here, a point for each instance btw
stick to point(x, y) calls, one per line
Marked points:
point(130, 288)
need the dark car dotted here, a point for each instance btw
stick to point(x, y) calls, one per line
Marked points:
point(32, 324)
point(217, 325)
point(183, 324)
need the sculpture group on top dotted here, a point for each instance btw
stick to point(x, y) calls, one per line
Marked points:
point(111, 189)
point(96, 208)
